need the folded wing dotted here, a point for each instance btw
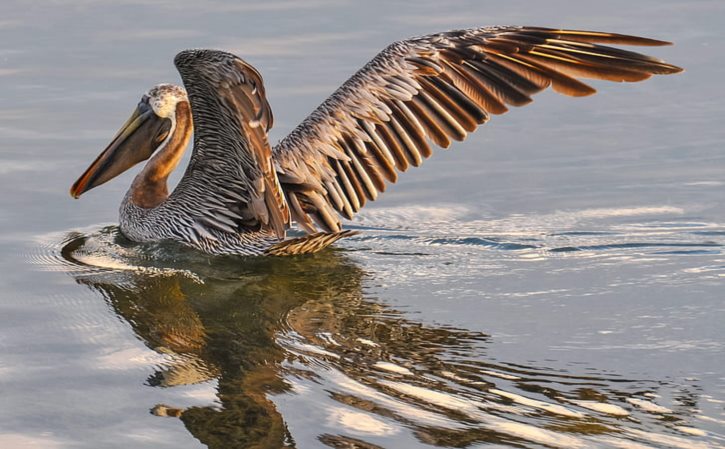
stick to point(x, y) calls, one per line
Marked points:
point(230, 183)
point(431, 90)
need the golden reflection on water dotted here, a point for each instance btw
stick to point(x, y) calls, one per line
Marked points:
point(268, 327)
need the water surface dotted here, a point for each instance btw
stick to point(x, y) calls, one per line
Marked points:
point(554, 281)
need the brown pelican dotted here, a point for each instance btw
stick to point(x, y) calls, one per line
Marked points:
point(239, 196)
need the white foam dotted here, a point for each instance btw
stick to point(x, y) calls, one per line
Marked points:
point(393, 368)
point(668, 440)
point(621, 444)
point(359, 423)
point(460, 379)
point(705, 183)
point(500, 375)
point(712, 400)
point(648, 406)
point(400, 408)
point(691, 431)
point(546, 406)
point(602, 407)
point(541, 436)
point(444, 400)
point(630, 211)
point(711, 419)
point(497, 424)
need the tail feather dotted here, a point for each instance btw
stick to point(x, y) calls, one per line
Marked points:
point(308, 244)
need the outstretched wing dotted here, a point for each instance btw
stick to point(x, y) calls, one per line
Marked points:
point(230, 182)
point(434, 88)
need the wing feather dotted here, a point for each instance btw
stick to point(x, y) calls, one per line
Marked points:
point(231, 181)
point(435, 89)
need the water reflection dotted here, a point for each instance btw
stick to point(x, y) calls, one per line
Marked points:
point(359, 374)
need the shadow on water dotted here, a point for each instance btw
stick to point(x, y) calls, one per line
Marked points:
point(299, 347)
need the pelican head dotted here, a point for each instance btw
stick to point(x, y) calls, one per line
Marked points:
point(148, 130)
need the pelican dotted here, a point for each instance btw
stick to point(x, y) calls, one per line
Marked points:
point(239, 195)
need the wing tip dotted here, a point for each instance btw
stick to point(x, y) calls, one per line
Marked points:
point(673, 69)
point(603, 37)
point(308, 244)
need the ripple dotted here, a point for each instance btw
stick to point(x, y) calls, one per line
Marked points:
point(269, 336)
point(534, 230)
point(582, 234)
point(637, 245)
point(713, 233)
point(649, 406)
point(471, 400)
point(478, 241)
point(103, 250)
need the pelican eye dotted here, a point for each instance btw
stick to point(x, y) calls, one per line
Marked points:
point(144, 105)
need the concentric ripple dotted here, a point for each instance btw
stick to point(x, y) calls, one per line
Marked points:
point(103, 250)
point(241, 346)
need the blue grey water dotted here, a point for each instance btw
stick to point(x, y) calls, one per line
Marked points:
point(557, 280)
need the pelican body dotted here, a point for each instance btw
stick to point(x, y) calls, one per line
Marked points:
point(240, 196)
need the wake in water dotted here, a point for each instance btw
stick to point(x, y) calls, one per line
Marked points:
point(300, 351)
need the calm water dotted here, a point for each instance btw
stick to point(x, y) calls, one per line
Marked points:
point(557, 280)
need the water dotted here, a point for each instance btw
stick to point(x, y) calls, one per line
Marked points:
point(557, 280)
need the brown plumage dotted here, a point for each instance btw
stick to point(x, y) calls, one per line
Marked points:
point(307, 244)
point(438, 89)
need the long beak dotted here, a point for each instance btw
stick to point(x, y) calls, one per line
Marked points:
point(133, 143)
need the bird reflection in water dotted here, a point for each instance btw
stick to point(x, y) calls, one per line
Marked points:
point(265, 328)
